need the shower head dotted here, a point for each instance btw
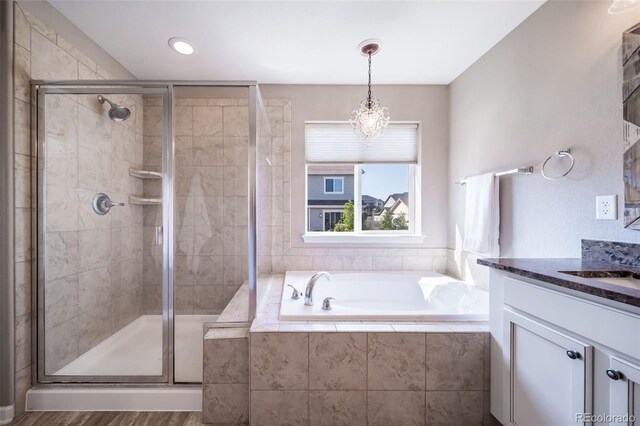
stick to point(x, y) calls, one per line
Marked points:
point(116, 112)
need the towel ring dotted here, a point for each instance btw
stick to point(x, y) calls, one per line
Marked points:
point(558, 154)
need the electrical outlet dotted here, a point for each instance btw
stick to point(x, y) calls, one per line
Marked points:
point(606, 207)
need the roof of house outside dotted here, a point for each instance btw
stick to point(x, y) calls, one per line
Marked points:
point(403, 196)
point(370, 199)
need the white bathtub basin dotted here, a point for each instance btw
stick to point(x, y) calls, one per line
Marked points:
point(381, 296)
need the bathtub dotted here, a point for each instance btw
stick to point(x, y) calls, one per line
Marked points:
point(385, 296)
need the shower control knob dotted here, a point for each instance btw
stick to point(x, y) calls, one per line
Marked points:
point(102, 203)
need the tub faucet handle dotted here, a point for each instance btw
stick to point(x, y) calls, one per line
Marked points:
point(326, 303)
point(295, 295)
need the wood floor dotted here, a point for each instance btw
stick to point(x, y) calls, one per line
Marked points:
point(108, 418)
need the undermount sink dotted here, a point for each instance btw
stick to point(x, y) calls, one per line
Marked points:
point(621, 278)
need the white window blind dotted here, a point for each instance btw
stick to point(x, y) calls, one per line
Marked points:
point(336, 143)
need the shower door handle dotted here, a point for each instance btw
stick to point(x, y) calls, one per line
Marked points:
point(158, 235)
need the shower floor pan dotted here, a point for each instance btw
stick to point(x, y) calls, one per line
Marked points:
point(135, 350)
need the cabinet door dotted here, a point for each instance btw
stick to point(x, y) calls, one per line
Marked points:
point(624, 392)
point(549, 378)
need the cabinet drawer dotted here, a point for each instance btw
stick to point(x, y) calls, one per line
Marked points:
point(608, 326)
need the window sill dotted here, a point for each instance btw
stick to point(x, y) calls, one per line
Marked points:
point(332, 238)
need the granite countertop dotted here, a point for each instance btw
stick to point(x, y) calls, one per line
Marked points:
point(548, 271)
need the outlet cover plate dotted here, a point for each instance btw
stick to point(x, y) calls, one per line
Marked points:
point(607, 207)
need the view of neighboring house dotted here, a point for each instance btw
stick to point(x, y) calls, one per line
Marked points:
point(371, 204)
point(329, 188)
point(396, 204)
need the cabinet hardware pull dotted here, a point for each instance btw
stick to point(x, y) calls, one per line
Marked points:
point(614, 374)
point(573, 354)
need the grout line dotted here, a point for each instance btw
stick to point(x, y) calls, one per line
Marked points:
point(366, 383)
point(308, 376)
point(426, 357)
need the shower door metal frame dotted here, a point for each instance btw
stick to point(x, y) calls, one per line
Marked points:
point(39, 88)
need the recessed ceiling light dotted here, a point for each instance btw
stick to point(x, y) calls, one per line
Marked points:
point(622, 6)
point(181, 45)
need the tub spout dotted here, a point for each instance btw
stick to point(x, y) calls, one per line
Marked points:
point(308, 292)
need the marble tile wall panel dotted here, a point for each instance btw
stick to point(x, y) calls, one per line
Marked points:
point(211, 203)
point(358, 378)
point(226, 376)
point(87, 153)
point(77, 284)
point(22, 189)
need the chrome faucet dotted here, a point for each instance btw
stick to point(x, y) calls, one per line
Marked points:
point(308, 292)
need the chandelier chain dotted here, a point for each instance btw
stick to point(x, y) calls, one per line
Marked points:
point(369, 92)
point(370, 118)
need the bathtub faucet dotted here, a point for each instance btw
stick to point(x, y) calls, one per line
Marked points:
point(308, 292)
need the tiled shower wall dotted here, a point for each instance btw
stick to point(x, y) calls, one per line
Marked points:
point(40, 53)
point(152, 216)
point(93, 263)
point(276, 252)
point(211, 141)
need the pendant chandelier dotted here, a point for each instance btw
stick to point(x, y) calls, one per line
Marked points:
point(370, 118)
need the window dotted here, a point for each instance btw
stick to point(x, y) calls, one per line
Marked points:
point(331, 218)
point(355, 192)
point(333, 185)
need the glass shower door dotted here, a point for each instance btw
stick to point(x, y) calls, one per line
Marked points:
point(102, 279)
point(211, 216)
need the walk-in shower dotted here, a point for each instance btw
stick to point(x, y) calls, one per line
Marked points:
point(146, 224)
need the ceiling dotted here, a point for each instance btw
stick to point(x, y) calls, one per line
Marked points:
point(298, 42)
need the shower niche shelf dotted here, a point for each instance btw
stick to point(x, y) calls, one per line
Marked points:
point(145, 174)
point(141, 201)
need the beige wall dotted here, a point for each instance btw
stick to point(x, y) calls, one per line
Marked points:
point(553, 83)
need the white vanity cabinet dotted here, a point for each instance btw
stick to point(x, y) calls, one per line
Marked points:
point(549, 378)
point(624, 391)
point(558, 358)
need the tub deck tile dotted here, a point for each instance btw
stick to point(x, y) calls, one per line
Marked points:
point(268, 320)
point(422, 328)
point(310, 327)
point(375, 328)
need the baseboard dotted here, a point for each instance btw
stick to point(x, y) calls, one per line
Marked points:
point(115, 399)
point(6, 414)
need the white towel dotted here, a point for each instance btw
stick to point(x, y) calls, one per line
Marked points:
point(482, 215)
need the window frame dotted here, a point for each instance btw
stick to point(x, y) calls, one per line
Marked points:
point(411, 236)
point(333, 178)
point(411, 217)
